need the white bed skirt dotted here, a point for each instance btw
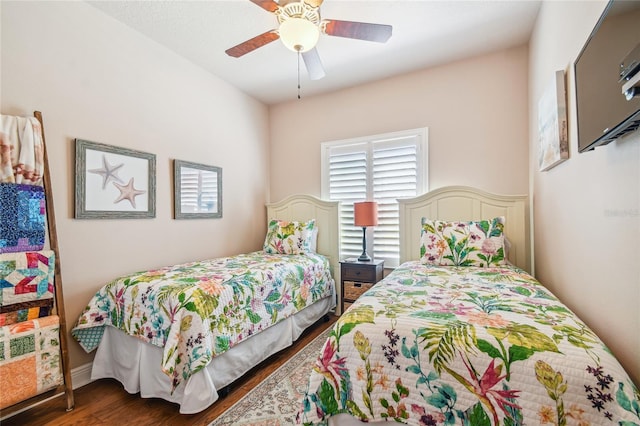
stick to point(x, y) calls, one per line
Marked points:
point(136, 364)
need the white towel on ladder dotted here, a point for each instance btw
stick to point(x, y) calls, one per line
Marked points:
point(21, 150)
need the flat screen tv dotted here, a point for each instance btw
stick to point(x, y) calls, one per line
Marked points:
point(604, 65)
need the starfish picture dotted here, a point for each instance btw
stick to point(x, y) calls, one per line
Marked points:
point(108, 172)
point(128, 192)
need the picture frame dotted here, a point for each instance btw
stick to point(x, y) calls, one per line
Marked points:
point(553, 141)
point(113, 182)
point(197, 190)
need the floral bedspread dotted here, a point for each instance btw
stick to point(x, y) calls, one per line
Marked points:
point(198, 310)
point(432, 345)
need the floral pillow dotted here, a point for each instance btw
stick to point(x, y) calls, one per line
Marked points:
point(478, 243)
point(290, 237)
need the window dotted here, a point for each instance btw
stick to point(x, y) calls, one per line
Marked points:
point(379, 168)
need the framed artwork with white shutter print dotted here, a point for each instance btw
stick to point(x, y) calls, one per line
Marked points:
point(197, 190)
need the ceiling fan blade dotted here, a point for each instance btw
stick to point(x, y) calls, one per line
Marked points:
point(268, 5)
point(360, 30)
point(314, 64)
point(252, 44)
point(313, 3)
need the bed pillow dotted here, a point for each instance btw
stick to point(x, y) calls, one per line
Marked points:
point(290, 237)
point(478, 243)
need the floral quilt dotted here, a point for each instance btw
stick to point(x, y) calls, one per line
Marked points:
point(198, 310)
point(433, 345)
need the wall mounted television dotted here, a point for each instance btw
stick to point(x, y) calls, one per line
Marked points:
point(608, 60)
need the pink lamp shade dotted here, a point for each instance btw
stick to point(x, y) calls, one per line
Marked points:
point(365, 213)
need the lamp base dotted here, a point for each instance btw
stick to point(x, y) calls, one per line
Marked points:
point(364, 257)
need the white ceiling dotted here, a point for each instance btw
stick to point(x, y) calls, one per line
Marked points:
point(425, 33)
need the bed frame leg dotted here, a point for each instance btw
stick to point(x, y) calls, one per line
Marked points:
point(224, 391)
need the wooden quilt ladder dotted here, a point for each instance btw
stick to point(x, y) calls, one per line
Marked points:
point(66, 386)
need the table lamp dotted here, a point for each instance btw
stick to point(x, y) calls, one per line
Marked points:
point(365, 214)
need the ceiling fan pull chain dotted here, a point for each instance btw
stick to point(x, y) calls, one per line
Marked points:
point(299, 74)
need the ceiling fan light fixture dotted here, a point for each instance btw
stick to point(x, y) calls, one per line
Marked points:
point(299, 34)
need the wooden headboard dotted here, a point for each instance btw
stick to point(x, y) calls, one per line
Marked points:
point(326, 213)
point(465, 203)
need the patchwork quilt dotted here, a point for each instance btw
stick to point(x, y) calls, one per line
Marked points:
point(29, 359)
point(22, 217)
point(198, 310)
point(25, 311)
point(26, 285)
point(433, 345)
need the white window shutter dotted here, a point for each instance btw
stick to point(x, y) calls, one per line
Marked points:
point(348, 183)
point(381, 168)
point(394, 176)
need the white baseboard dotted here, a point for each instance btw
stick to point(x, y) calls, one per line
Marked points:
point(81, 376)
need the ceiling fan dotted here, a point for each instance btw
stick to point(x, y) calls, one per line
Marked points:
point(300, 27)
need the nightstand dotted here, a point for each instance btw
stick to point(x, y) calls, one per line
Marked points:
point(358, 277)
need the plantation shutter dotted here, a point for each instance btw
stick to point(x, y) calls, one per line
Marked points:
point(381, 169)
point(348, 183)
point(394, 176)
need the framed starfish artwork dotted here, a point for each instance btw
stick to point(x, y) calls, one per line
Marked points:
point(114, 182)
point(197, 190)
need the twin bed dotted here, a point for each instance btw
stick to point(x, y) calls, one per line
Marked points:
point(459, 333)
point(184, 332)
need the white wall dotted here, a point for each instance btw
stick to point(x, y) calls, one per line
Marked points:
point(476, 111)
point(94, 78)
point(587, 209)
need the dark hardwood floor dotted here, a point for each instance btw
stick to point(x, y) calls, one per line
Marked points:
point(105, 402)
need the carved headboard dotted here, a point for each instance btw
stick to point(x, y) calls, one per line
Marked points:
point(326, 214)
point(454, 203)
